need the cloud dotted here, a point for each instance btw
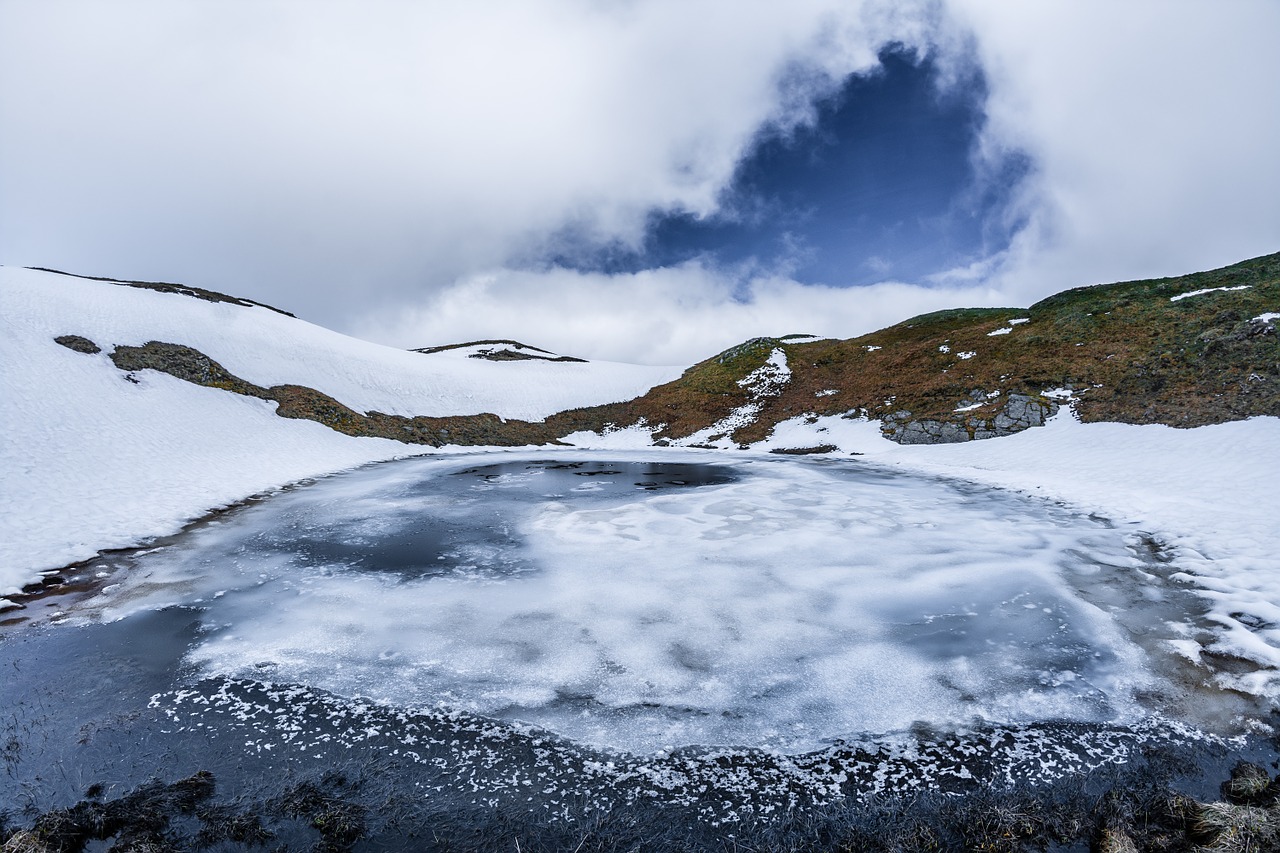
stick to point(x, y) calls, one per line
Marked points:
point(1150, 128)
point(671, 315)
point(326, 154)
point(387, 167)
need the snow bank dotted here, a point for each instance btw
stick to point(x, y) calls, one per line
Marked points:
point(90, 460)
point(269, 348)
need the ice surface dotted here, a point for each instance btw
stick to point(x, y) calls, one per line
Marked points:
point(644, 607)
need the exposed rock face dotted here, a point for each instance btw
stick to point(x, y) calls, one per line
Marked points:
point(1019, 412)
point(78, 343)
point(503, 349)
point(300, 402)
point(184, 363)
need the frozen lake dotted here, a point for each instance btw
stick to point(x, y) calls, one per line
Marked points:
point(667, 601)
point(504, 645)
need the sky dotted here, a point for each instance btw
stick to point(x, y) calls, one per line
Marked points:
point(636, 180)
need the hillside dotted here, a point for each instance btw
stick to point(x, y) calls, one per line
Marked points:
point(1186, 351)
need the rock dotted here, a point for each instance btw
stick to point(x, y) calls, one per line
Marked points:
point(78, 343)
point(1020, 411)
point(804, 451)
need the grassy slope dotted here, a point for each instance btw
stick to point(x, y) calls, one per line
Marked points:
point(1131, 354)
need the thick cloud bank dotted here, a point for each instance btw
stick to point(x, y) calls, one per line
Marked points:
point(379, 167)
point(316, 152)
point(671, 315)
point(1150, 128)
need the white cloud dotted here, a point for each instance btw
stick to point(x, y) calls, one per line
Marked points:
point(1151, 127)
point(672, 315)
point(360, 163)
point(323, 154)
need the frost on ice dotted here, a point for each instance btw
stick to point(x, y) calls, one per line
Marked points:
point(776, 605)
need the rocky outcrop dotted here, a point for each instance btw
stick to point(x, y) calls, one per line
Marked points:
point(172, 287)
point(303, 403)
point(502, 349)
point(1019, 412)
point(78, 343)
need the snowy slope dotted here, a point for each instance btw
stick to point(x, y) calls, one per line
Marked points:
point(268, 348)
point(90, 461)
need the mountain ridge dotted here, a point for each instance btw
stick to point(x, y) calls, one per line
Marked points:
point(1183, 351)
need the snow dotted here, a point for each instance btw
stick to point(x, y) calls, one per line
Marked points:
point(268, 348)
point(1269, 317)
point(89, 460)
point(965, 356)
point(1189, 294)
point(1006, 330)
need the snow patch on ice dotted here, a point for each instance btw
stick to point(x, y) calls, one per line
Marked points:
point(1206, 493)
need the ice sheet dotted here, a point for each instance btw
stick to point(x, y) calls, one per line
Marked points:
point(795, 604)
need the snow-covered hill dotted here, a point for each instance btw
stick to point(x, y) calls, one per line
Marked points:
point(93, 458)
